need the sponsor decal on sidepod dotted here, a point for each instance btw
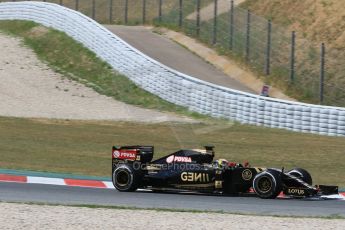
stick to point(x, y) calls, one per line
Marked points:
point(173, 158)
point(195, 177)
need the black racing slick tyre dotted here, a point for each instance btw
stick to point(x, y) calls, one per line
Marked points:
point(268, 184)
point(126, 178)
point(301, 174)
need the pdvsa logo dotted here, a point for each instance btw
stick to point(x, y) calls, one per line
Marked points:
point(128, 155)
point(173, 158)
point(124, 155)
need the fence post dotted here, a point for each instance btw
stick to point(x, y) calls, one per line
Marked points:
point(248, 36)
point(77, 5)
point(61, 2)
point(180, 13)
point(126, 12)
point(198, 18)
point(322, 72)
point(215, 20)
point(268, 49)
point(93, 9)
point(160, 11)
point(144, 11)
point(110, 11)
point(292, 58)
point(231, 35)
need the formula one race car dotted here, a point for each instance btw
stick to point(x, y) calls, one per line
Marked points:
point(195, 170)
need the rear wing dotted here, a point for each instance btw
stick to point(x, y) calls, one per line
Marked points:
point(144, 154)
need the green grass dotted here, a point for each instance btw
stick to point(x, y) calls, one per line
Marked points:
point(76, 62)
point(84, 148)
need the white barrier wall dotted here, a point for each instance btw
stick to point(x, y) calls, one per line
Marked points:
point(178, 88)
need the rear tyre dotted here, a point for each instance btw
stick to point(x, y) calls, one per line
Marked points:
point(126, 179)
point(301, 174)
point(268, 184)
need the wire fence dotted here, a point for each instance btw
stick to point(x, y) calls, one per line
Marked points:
point(309, 72)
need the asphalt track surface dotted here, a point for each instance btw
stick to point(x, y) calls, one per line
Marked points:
point(174, 56)
point(55, 194)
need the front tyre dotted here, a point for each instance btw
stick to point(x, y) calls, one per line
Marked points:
point(125, 178)
point(268, 184)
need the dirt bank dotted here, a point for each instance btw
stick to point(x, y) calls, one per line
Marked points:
point(29, 88)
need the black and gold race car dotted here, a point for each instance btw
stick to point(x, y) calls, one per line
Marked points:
point(196, 170)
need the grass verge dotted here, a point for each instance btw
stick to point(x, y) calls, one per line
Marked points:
point(73, 60)
point(82, 147)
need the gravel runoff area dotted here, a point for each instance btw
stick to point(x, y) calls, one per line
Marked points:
point(25, 216)
point(29, 88)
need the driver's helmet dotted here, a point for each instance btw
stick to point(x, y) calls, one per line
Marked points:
point(221, 163)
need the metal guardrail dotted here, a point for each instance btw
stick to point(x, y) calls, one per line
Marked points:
point(176, 87)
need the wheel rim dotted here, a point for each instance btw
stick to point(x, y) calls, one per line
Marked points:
point(264, 185)
point(122, 178)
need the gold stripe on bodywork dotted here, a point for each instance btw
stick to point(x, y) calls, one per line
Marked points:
point(194, 185)
point(153, 167)
point(259, 169)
